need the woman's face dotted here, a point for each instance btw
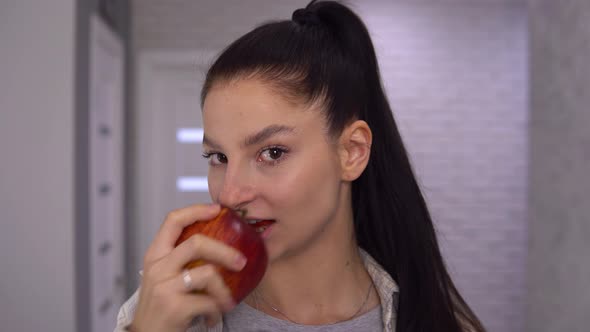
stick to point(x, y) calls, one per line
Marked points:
point(272, 157)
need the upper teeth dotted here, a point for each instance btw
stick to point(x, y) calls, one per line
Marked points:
point(253, 221)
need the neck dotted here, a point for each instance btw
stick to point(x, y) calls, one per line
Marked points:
point(302, 285)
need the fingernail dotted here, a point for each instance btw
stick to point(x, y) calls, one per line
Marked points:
point(240, 262)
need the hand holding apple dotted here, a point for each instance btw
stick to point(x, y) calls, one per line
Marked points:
point(231, 229)
point(162, 302)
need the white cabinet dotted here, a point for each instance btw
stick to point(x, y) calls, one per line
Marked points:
point(106, 176)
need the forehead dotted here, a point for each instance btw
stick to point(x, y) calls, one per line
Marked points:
point(249, 104)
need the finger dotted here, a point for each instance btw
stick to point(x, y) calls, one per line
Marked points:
point(198, 248)
point(190, 306)
point(205, 306)
point(205, 280)
point(175, 222)
point(212, 320)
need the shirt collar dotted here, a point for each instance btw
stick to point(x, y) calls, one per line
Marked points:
point(386, 287)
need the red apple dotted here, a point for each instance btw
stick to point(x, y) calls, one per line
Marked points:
point(230, 228)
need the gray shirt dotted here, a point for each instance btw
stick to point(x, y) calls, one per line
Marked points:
point(386, 287)
point(244, 318)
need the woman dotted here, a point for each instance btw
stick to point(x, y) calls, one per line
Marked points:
point(298, 130)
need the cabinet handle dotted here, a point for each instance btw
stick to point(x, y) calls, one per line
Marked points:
point(104, 189)
point(105, 306)
point(104, 248)
point(104, 130)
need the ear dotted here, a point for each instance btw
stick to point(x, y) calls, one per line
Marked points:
point(354, 149)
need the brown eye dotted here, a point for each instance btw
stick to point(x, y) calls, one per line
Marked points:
point(271, 154)
point(215, 158)
point(221, 158)
point(275, 153)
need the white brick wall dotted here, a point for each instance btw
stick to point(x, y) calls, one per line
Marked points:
point(456, 75)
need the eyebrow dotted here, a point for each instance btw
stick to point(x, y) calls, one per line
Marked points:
point(256, 138)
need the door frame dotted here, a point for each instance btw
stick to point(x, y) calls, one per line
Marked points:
point(148, 177)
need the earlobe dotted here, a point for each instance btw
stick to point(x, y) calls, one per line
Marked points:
point(355, 143)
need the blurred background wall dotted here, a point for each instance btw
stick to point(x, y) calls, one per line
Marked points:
point(491, 97)
point(559, 204)
point(37, 188)
point(44, 164)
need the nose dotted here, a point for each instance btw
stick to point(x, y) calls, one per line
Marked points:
point(236, 190)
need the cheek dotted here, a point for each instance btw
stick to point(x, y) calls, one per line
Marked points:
point(214, 181)
point(307, 189)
